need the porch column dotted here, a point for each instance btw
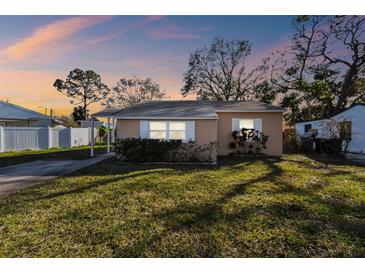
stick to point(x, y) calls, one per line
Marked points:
point(108, 135)
point(113, 130)
point(2, 140)
point(92, 138)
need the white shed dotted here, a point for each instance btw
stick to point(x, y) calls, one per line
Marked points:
point(355, 114)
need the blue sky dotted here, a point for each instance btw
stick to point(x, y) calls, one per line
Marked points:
point(35, 50)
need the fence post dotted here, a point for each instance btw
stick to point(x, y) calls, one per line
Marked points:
point(92, 138)
point(50, 139)
point(108, 135)
point(2, 140)
point(113, 130)
point(70, 136)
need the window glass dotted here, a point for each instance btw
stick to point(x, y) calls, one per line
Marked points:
point(247, 123)
point(177, 126)
point(307, 127)
point(174, 130)
point(154, 125)
point(158, 134)
point(177, 134)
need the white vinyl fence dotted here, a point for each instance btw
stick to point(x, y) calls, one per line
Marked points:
point(22, 138)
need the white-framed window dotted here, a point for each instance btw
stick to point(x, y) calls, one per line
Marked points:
point(158, 130)
point(168, 130)
point(249, 123)
point(177, 130)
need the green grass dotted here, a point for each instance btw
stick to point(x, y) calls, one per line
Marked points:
point(75, 153)
point(265, 207)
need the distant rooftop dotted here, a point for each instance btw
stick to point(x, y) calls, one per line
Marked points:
point(10, 111)
point(187, 109)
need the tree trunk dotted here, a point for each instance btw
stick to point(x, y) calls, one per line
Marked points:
point(345, 89)
point(85, 105)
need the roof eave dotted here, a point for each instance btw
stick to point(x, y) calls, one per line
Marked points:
point(165, 118)
point(22, 119)
point(250, 110)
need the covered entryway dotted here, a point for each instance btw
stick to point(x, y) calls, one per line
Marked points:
point(111, 125)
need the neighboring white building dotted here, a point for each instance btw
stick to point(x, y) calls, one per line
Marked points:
point(15, 116)
point(355, 114)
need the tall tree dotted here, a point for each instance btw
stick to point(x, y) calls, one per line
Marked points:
point(323, 72)
point(129, 92)
point(79, 114)
point(84, 87)
point(219, 72)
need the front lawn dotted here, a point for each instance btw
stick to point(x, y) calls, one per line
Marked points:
point(268, 207)
point(75, 153)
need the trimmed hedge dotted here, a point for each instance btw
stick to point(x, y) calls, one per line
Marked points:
point(150, 150)
point(144, 150)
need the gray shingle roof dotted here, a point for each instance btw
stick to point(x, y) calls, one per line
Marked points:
point(14, 112)
point(187, 109)
point(106, 112)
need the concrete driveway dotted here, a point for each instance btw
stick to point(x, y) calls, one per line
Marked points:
point(16, 177)
point(358, 158)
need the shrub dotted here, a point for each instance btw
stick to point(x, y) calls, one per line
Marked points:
point(289, 140)
point(150, 150)
point(102, 133)
point(144, 150)
point(192, 152)
point(249, 141)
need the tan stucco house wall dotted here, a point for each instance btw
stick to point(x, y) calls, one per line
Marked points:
point(127, 129)
point(219, 130)
point(271, 126)
point(205, 130)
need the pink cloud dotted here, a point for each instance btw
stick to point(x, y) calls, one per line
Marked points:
point(125, 29)
point(173, 32)
point(47, 38)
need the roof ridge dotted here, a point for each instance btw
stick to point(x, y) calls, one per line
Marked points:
point(215, 101)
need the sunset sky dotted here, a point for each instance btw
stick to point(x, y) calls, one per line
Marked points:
point(36, 50)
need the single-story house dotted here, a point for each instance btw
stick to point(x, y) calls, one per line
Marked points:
point(352, 118)
point(16, 116)
point(199, 120)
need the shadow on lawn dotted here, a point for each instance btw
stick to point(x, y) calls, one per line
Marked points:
point(347, 219)
point(326, 160)
point(37, 193)
point(97, 183)
point(199, 218)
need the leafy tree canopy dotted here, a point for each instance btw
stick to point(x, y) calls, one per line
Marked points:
point(83, 87)
point(129, 92)
point(322, 73)
point(219, 72)
point(79, 114)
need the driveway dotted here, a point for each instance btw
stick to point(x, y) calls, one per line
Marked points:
point(358, 158)
point(16, 177)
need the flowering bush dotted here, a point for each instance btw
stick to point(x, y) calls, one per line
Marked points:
point(249, 141)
